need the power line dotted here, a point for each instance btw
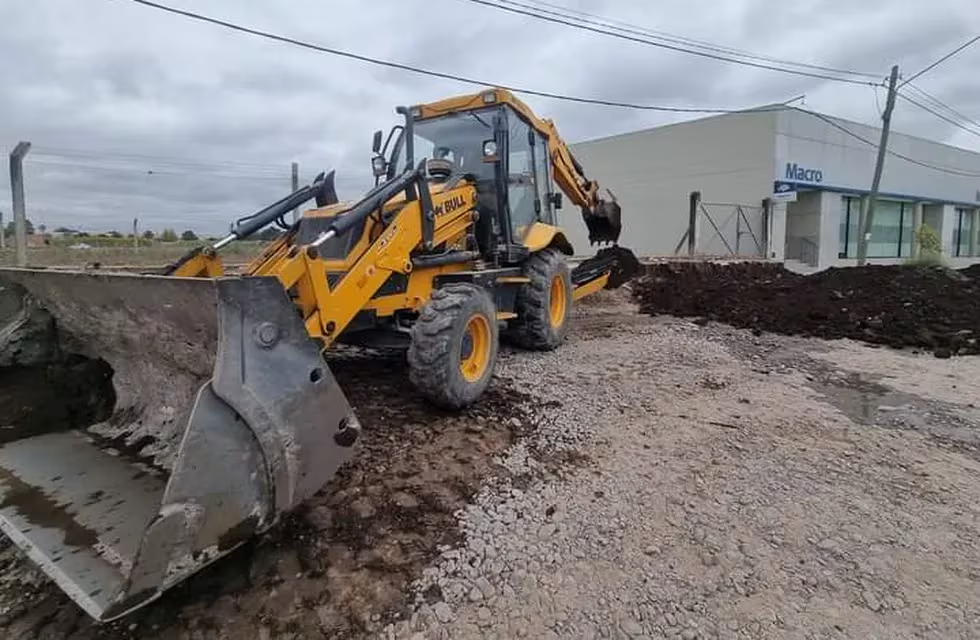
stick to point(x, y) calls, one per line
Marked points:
point(420, 70)
point(950, 170)
point(663, 45)
point(468, 80)
point(940, 61)
point(937, 114)
point(939, 104)
point(627, 27)
point(154, 172)
point(108, 155)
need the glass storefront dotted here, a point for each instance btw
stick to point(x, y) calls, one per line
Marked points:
point(891, 231)
point(963, 231)
point(850, 218)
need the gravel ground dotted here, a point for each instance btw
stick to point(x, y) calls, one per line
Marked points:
point(730, 486)
point(651, 478)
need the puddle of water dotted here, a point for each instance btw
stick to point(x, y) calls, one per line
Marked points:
point(867, 402)
point(862, 399)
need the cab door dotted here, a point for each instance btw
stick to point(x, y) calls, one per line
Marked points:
point(523, 202)
point(542, 171)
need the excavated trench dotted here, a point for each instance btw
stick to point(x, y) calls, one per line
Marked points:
point(43, 389)
point(345, 556)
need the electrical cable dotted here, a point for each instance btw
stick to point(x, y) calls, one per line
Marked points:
point(949, 170)
point(937, 114)
point(419, 70)
point(939, 62)
point(939, 104)
point(662, 45)
point(627, 27)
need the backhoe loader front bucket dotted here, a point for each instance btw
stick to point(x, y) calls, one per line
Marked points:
point(173, 419)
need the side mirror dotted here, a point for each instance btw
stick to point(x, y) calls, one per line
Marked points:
point(378, 166)
point(556, 199)
point(376, 143)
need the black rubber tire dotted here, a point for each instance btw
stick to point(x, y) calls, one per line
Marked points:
point(532, 328)
point(437, 341)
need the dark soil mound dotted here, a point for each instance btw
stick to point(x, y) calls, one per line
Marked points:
point(899, 306)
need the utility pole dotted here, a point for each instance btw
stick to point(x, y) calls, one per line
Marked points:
point(886, 120)
point(3, 233)
point(295, 189)
point(17, 195)
point(136, 235)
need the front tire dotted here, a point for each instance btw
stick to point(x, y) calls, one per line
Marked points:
point(454, 346)
point(543, 304)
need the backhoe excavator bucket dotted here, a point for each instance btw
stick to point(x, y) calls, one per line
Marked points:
point(172, 419)
point(604, 221)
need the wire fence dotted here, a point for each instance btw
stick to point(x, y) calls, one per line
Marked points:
point(116, 209)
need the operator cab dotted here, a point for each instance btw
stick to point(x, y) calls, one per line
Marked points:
point(491, 145)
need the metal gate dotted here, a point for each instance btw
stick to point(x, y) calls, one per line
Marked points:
point(725, 229)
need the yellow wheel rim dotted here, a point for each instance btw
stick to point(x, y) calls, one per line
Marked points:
point(558, 302)
point(475, 353)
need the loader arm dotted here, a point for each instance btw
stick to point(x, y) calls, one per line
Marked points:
point(328, 310)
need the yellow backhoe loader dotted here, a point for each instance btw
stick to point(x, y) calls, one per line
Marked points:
point(149, 424)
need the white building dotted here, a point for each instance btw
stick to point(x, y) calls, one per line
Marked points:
point(737, 161)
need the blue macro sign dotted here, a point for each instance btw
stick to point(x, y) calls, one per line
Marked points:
point(799, 173)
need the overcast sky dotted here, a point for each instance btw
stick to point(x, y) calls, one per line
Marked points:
point(138, 113)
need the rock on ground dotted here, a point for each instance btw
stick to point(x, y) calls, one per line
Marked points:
point(667, 479)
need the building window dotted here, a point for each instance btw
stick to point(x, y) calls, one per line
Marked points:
point(891, 232)
point(963, 231)
point(849, 227)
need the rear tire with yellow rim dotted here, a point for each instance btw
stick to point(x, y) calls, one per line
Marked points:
point(454, 346)
point(543, 304)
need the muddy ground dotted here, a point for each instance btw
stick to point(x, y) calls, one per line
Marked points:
point(899, 306)
point(720, 484)
point(347, 556)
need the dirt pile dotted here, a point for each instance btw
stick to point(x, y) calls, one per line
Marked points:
point(898, 306)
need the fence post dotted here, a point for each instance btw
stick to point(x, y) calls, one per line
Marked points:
point(738, 229)
point(766, 231)
point(692, 223)
point(17, 195)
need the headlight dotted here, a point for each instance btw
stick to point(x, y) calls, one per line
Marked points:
point(416, 112)
point(489, 148)
point(489, 97)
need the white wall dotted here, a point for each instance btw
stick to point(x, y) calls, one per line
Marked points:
point(846, 163)
point(727, 158)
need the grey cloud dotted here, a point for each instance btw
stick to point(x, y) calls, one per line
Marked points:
point(112, 78)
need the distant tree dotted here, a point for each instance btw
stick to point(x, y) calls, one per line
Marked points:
point(270, 233)
point(42, 228)
point(9, 231)
point(168, 235)
point(113, 234)
point(188, 236)
point(930, 247)
point(148, 234)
